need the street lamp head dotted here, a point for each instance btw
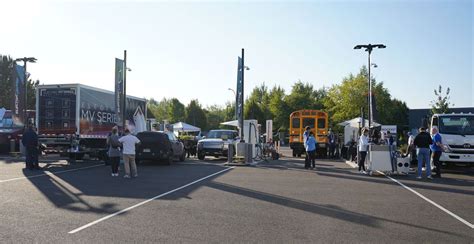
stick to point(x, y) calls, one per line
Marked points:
point(379, 46)
point(27, 59)
point(128, 69)
point(247, 68)
point(358, 46)
point(375, 65)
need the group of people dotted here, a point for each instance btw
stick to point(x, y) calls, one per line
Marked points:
point(122, 146)
point(426, 146)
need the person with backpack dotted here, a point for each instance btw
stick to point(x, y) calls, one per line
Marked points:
point(114, 150)
point(311, 151)
point(422, 142)
point(307, 130)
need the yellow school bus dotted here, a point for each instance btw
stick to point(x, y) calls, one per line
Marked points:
point(318, 121)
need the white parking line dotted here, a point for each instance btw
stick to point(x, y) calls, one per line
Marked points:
point(430, 201)
point(144, 202)
point(47, 173)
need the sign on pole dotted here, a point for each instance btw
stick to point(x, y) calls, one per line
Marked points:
point(119, 69)
point(19, 87)
point(239, 110)
point(269, 130)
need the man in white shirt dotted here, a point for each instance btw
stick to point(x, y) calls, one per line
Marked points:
point(128, 144)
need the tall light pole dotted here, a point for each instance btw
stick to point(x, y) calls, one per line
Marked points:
point(124, 100)
point(25, 61)
point(369, 48)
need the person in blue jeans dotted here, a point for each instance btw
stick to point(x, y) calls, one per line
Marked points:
point(437, 149)
point(311, 151)
point(422, 142)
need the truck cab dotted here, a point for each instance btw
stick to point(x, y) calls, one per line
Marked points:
point(457, 133)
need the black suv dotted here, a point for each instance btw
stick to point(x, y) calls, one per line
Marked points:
point(158, 146)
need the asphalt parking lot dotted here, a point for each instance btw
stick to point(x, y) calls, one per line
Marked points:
point(206, 201)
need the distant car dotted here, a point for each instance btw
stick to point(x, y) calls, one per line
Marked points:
point(161, 146)
point(216, 143)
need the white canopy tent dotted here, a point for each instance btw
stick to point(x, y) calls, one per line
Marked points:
point(351, 128)
point(234, 123)
point(181, 126)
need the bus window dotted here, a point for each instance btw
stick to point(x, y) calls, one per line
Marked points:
point(321, 123)
point(295, 123)
point(308, 122)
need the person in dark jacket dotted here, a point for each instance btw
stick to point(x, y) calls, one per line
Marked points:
point(114, 150)
point(30, 141)
point(422, 142)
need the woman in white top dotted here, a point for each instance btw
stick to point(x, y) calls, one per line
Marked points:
point(363, 144)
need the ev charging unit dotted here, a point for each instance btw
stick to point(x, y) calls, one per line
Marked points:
point(247, 150)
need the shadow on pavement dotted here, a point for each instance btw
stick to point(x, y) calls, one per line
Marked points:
point(442, 184)
point(75, 191)
point(331, 211)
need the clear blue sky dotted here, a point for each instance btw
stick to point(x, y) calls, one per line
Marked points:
point(189, 50)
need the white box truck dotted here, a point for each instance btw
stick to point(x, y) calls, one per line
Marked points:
point(457, 132)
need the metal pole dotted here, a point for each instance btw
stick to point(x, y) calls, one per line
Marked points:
point(241, 119)
point(124, 89)
point(370, 95)
point(26, 95)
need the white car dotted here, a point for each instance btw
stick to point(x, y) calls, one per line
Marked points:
point(216, 143)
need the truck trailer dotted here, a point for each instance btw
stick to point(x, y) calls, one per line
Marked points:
point(75, 119)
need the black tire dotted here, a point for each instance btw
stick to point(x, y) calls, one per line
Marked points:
point(182, 157)
point(201, 156)
point(294, 154)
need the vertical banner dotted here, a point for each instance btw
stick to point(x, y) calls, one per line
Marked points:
point(18, 92)
point(119, 69)
point(374, 113)
point(269, 130)
point(239, 110)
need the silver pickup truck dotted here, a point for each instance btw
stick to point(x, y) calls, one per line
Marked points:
point(216, 143)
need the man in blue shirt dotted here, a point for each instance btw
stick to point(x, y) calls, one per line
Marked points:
point(311, 150)
point(437, 149)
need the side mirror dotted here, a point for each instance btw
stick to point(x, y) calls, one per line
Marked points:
point(204, 137)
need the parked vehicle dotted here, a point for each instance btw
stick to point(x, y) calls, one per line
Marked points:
point(159, 146)
point(11, 128)
point(457, 131)
point(216, 143)
point(318, 121)
point(75, 119)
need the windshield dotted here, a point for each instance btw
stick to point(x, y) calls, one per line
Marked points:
point(458, 125)
point(222, 134)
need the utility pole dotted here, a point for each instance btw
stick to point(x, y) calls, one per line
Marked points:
point(241, 117)
point(124, 116)
point(369, 48)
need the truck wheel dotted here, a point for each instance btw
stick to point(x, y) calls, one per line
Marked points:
point(294, 154)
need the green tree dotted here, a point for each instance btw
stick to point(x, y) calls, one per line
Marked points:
point(7, 85)
point(215, 116)
point(441, 104)
point(176, 111)
point(279, 109)
point(344, 101)
point(303, 96)
point(195, 115)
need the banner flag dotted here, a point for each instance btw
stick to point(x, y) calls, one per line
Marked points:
point(239, 110)
point(119, 69)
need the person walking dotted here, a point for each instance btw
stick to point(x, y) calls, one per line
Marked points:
point(306, 132)
point(30, 141)
point(311, 151)
point(363, 146)
point(332, 143)
point(422, 142)
point(128, 144)
point(437, 149)
point(114, 150)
